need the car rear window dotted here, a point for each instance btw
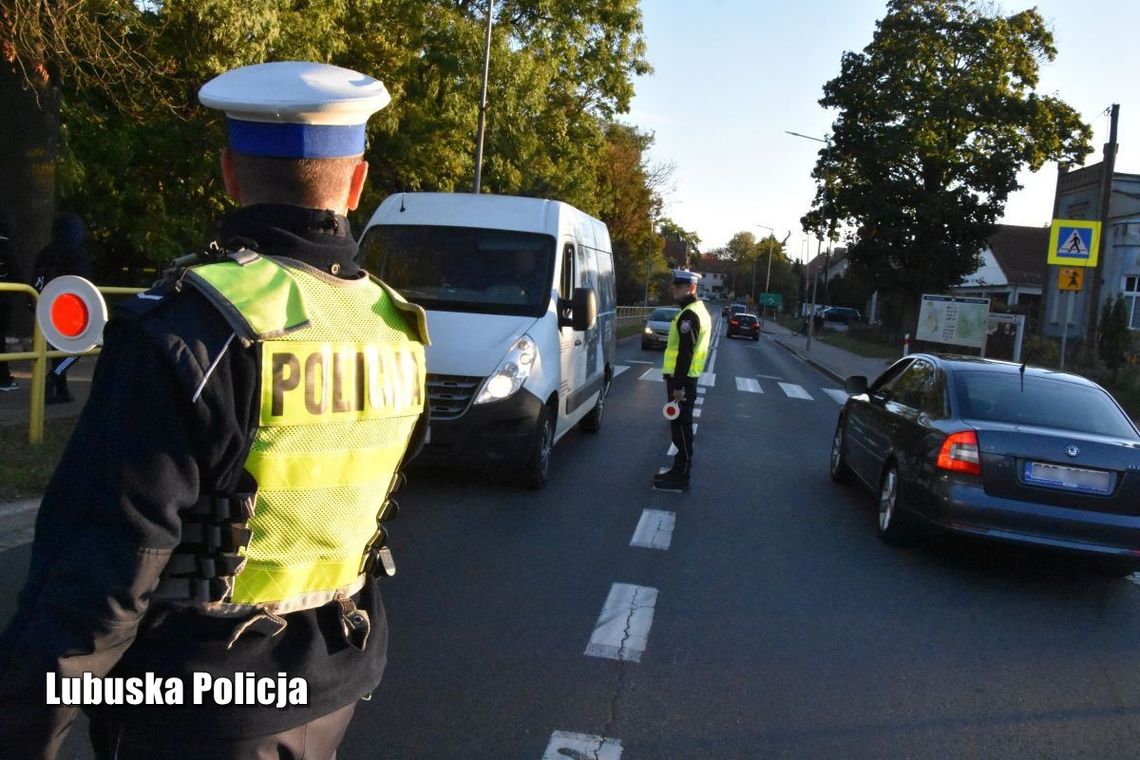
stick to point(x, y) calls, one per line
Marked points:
point(750, 319)
point(663, 315)
point(1040, 401)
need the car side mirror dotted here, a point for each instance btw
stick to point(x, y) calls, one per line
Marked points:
point(580, 312)
point(856, 385)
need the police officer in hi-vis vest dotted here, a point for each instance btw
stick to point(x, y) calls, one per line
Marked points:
point(216, 515)
point(685, 353)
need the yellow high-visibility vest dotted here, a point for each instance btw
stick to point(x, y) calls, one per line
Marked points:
point(342, 385)
point(700, 351)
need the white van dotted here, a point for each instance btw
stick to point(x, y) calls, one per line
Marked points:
point(519, 294)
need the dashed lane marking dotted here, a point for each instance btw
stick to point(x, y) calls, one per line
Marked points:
point(654, 530)
point(565, 745)
point(622, 630)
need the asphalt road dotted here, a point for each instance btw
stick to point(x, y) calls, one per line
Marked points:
point(772, 623)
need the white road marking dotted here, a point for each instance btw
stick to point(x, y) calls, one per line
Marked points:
point(748, 385)
point(653, 375)
point(701, 390)
point(770, 377)
point(710, 365)
point(565, 745)
point(707, 378)
point(796, 391)
point(673, 448)
point(654, 529)
point(700, 400)
point(618, 369)
point(839, 396)
point(638, 361)
point(622, 630)
point(696, 412)
point(1134, 578)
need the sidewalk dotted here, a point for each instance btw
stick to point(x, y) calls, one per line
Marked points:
point(834, 362)
point(15, 405)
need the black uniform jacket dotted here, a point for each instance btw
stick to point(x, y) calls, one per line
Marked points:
point(172, 408)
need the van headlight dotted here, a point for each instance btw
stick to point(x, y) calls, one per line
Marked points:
point(511, 373)
point(648, 330)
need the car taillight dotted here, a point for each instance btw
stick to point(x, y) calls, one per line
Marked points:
point(734, 321)
point(959, 453)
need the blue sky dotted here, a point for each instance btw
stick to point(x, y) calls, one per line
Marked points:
point(732, 75)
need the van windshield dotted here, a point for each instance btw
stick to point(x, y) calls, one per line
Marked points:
point(463, 268)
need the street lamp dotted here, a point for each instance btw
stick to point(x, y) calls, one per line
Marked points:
point(769, 280)
point(819, 244)
point(483, 102)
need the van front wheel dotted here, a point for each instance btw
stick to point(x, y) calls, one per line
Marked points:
point(536, 471)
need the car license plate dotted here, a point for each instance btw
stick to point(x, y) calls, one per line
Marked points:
point(1070, 478)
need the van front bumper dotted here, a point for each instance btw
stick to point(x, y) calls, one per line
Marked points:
point(495, 433)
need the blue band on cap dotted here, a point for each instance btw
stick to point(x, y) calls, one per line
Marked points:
point(256, 138)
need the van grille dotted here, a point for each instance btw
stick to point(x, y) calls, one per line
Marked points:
point(450, 395)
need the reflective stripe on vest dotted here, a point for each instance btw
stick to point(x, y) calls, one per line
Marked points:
point(342, 385)
point(700, 351)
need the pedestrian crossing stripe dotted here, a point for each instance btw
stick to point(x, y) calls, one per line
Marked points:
point(791, 390)
point(748, 385)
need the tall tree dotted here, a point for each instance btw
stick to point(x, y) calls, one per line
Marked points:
point(47, 49)
point(936, 117)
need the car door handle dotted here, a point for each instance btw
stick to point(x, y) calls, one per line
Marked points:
point(578, 342)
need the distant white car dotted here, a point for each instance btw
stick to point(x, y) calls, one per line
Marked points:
point(656, 331)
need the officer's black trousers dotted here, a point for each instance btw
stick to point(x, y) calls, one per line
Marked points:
point(682, 427)
point(315, 740)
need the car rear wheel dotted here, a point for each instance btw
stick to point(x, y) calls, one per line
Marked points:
point(893, 527)
point(536, 471)
point(840, 471)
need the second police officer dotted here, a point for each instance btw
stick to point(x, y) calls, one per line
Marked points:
point(685, 353)
point(216, 512)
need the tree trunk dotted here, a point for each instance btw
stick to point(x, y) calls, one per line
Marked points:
point(29, 136)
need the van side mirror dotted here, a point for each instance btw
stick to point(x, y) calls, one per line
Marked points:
point(856, 385)
point(580, 312)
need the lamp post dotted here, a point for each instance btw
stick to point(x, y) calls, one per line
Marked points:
point(767, 281)
point(819, 244)
point(483, 101)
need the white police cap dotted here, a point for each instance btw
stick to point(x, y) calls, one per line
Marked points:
point(295, 109)
point(685, 277)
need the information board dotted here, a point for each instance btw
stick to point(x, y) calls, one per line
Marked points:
point(953, 320)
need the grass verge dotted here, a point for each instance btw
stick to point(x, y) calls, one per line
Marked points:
point(26, 468)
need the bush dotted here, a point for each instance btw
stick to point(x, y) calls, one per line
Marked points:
point(1040, 351)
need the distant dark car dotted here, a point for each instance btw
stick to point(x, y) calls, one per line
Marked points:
point(993, 449)
point(842, 315)
point(656, 332)
point(733, 308)
point(744, 324)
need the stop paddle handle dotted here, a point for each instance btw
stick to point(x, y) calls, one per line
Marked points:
point(71, 314)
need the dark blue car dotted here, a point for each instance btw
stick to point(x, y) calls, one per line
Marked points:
point(997, 450)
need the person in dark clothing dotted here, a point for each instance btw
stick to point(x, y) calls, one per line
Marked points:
point(64, 254)
point(6, 275)
point(216, 517)
point(685, 353)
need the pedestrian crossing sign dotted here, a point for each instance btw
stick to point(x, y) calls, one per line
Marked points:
point(1074, 243)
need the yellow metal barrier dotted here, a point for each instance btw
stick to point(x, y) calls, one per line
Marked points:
point(40, 354)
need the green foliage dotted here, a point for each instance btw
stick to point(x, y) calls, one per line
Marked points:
point(139, 155)
point(1040, 350)
point(1114, 339)
point(935, 118)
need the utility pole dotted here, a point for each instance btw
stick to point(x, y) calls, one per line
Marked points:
point(819, 240)
point(483, 100)
point(1109, 166)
